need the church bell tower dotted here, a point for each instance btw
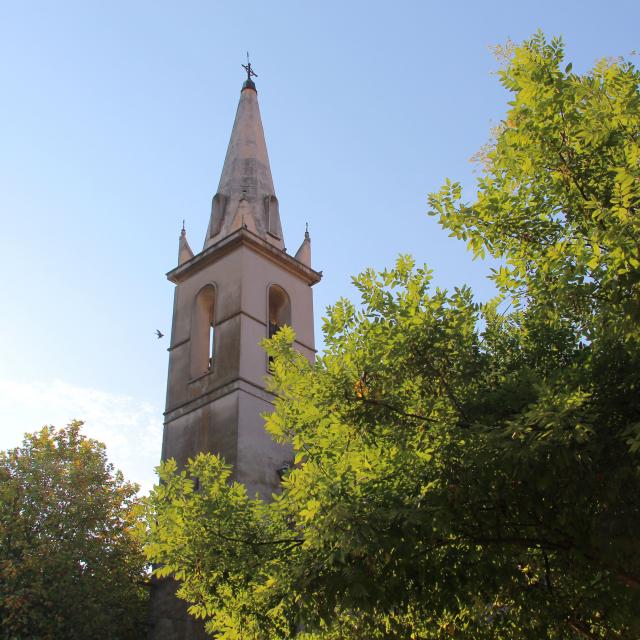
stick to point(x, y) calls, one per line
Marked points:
point(239, 289)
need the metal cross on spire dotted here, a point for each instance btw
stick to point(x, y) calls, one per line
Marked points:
point(249, 70)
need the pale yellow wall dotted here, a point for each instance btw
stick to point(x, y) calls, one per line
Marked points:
point(242, 279)
point(221, 411)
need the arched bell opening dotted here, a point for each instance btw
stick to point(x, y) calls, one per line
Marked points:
point(203, 343)
point(279, 309)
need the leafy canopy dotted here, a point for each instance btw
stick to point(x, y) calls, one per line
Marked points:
point(70, 566)
point(461, 470)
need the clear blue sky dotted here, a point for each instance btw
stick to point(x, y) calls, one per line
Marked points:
point(114, 121)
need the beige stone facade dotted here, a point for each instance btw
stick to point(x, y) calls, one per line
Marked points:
point(237, 291)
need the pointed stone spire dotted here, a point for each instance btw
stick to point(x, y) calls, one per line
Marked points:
point(246, 196)
point(303, 254)
point(184, 250)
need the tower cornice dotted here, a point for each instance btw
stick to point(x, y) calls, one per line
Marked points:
point(247, 238)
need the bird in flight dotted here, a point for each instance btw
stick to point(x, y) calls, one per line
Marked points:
point(159, 334)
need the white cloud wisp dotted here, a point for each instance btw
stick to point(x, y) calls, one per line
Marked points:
point(130, 428)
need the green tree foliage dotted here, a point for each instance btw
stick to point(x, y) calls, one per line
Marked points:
point(462, 470)
point(70, 565)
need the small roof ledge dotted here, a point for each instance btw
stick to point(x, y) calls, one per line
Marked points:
point(243, 237)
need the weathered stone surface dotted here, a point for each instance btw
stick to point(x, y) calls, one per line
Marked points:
point(169, 619)
point(215, 401)
point(246, 196)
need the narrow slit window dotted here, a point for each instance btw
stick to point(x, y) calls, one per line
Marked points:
point(212, 344)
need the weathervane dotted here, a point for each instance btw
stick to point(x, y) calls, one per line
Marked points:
point(249, 70)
